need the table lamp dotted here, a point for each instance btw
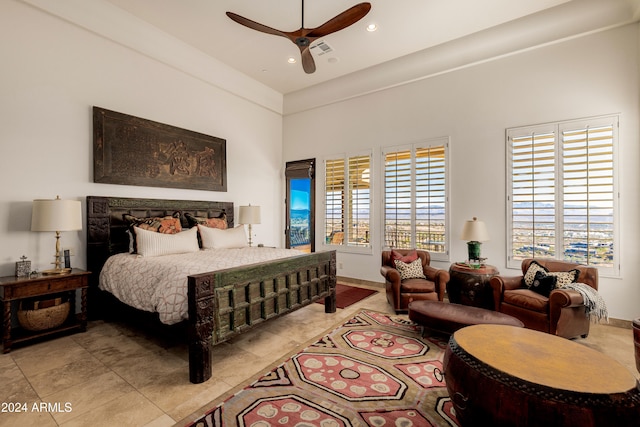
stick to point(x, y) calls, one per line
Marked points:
point(474, 232)
point(56, 215)
point(249, 215)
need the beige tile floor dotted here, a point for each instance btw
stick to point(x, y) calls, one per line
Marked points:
point(113, 376)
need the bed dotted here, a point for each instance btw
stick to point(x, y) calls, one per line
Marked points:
point(222, 303)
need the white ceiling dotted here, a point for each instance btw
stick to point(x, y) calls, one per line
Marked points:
point(405, 27)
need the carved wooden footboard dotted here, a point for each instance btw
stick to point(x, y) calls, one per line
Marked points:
point(225, 303)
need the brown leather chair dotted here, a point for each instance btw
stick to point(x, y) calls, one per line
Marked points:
point(562, 313)
point(401, 292)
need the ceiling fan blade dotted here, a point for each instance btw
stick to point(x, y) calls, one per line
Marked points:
point(308, 64)
point(256, 25)
point(341, 21)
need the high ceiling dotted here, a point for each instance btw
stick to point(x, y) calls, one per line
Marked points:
point(404, 27)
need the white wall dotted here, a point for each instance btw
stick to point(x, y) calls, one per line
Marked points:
point(53, 72)
point(582, 77)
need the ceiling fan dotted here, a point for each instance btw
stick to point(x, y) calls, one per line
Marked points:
point(305, 36)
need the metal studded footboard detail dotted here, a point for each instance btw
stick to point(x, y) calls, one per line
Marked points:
point(225, 303)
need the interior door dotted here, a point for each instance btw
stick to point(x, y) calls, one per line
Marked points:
point(300, 205)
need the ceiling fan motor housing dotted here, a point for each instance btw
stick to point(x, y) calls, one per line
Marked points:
point(303, 41)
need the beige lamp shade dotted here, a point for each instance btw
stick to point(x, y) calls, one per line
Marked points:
point(249, 215)
point(474, 231)
point(56, 215)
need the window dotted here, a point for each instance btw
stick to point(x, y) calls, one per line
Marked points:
point(416, 197)
point(562, 192)
point(348, 201)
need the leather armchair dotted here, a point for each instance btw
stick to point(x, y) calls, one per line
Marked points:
point(401, 292)
point(562, 313)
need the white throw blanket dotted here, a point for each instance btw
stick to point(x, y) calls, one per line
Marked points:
point(594, 303)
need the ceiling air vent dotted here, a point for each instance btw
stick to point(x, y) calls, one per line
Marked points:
point(321, 48)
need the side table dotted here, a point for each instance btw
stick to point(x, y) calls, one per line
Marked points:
point(470, 286)
point(13, 289)
point(497, 374)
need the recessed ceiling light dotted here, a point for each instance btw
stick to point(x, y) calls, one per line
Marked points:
point(291, 60)
point(372, 27)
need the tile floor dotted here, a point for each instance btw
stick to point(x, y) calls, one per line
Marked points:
point(113, 376)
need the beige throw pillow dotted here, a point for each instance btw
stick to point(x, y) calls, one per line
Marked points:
point(411, 270)
point(151, 243)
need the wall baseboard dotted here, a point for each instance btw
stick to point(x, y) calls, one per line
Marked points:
point(360, 282)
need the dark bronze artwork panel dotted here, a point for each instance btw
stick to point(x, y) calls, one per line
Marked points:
point(133, 151)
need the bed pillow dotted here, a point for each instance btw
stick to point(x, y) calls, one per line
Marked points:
point(215, 238)
point(169, 224)
point(220, 222)
point(410, 257)
point(151, 243)
point(411, 270)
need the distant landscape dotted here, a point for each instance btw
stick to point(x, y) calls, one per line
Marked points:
point(527, 243)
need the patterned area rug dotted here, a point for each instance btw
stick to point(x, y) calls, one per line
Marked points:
point(373, 370)
point(347, 295)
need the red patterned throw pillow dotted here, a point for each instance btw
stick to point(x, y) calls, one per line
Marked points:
point(169, 224)
point(410, 257)
point(220, 222)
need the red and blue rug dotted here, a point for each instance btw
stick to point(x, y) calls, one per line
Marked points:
point(373, 370)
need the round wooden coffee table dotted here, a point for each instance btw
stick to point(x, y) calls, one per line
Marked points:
point(509, 376)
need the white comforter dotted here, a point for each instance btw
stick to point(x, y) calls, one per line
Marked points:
point(159, 284)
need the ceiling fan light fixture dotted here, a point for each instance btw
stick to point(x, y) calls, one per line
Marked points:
point(304, 37)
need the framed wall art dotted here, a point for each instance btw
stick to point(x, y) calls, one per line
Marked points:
point(130, 150)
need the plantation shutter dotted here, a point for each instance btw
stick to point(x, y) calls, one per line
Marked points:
point(533, 188)
point(359, 200)
point(431, 198)
point(563, 193)
point(415, 205)
point(334, 201)
point(588, 194)
point(398, 199)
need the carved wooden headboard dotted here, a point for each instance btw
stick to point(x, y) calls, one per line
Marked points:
point(107, 230)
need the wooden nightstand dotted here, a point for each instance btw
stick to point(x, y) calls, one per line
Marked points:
point(14, 289)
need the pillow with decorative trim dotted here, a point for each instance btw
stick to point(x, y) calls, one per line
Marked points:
point(151, 243)
point(544, 283)
point(411, 270)
point(565, 277)
point(410, 257)
point(219, 222)
point(215, 238)
point(530, 275)
point(169, 224)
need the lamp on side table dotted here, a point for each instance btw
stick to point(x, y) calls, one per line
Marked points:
point(56, 215)
point(249, 215)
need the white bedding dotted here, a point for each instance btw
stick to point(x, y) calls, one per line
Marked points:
point(159, 284)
